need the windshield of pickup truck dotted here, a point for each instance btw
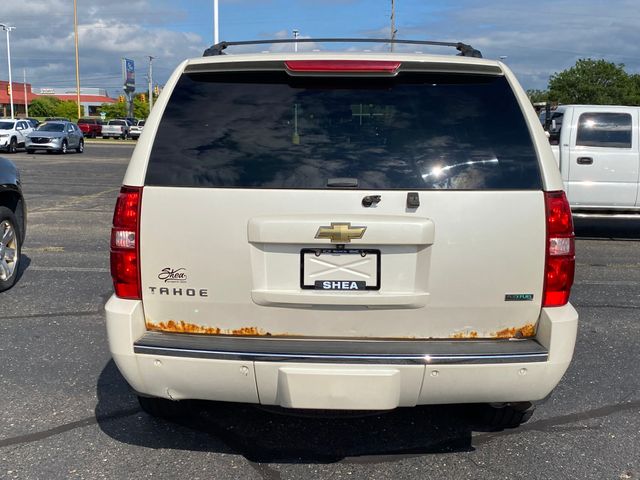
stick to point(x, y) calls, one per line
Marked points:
point(51, 127)
point(6, 125)
point(412, 131)
point(117, 122)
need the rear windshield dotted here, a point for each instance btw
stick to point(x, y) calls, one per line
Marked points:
point(117, 122)
point(413, 131)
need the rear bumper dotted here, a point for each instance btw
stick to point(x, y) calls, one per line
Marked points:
point(339, 374)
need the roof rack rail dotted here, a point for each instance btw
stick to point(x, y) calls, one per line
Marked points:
point(464, 49)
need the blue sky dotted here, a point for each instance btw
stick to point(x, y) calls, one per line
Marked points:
point(537, 38)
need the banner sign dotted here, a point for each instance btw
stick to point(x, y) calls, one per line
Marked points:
point(129, 75)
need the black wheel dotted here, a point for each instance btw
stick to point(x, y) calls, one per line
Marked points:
point(80, 148)
point(30, 150)
point(9, 248)
point(65, 147)
point(499, 417)
point(161, 407)
point(13, 145)
point(105, 137)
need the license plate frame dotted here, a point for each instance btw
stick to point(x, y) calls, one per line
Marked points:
point(340, 251)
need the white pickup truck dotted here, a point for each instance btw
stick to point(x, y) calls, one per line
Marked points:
point(596, 148)
point(116, 129)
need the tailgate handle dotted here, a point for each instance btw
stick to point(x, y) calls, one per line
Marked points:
point(585, 161)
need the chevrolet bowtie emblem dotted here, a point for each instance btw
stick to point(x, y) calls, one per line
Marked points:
point(340, 232)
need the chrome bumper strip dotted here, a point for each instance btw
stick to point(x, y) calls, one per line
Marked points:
point(416, 352)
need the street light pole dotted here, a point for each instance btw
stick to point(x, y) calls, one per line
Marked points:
point(75, 28)
point(26, 101)
point(296, 34)
point(216, 37)
point(8, 29)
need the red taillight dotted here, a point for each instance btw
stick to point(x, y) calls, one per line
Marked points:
point(352, 66)
point(560, 251)
point(125, 245)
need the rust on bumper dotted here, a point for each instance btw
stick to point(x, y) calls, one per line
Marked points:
point(526, 331)
point(184, 327)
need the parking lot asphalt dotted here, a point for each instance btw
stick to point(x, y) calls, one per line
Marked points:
point(66, 412)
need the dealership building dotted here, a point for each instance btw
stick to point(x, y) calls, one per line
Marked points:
point(90, 98)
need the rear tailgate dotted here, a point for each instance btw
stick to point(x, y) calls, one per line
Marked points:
point(239, 271)
point(264, 219)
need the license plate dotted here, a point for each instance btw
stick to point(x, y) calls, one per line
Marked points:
point(340, 269)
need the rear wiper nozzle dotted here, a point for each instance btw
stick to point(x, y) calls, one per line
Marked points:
point(344, 182)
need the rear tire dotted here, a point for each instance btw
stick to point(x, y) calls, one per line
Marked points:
point(31, 150)
point(161, 407)
point(80, 148)
point(510, 415)
point(10, 245)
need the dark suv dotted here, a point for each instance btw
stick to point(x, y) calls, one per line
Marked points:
point(13, 223)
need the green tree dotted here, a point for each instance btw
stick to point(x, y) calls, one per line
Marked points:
point(67, 109)
point(537, 96)
point(140, 107)
point(44, 106)
point(114, 110)
point(593, 82)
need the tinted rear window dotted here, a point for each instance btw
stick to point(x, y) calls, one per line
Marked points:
point(414, 131)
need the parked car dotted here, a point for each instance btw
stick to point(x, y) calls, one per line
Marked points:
point(596, 147)
point(57, 137)
point(357, 231)
point(91, 127)
point(13, 134)
point(34, 122)
point(136, 130)
point(57, 119)
point(118, 128)
point(13, 223)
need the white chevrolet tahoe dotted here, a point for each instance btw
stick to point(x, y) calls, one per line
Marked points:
point(357, 231)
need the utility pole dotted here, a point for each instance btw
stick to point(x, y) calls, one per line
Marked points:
point(8, 30)
point(26, 100)
point(216, 37)
point(75, 29)
point(150, 82)
point(393, 23)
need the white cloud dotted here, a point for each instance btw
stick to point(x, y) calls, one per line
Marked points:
point(43, 41)
point(539, 38)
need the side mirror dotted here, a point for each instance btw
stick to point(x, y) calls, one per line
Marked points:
point(19, 127)
point(554, 125)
